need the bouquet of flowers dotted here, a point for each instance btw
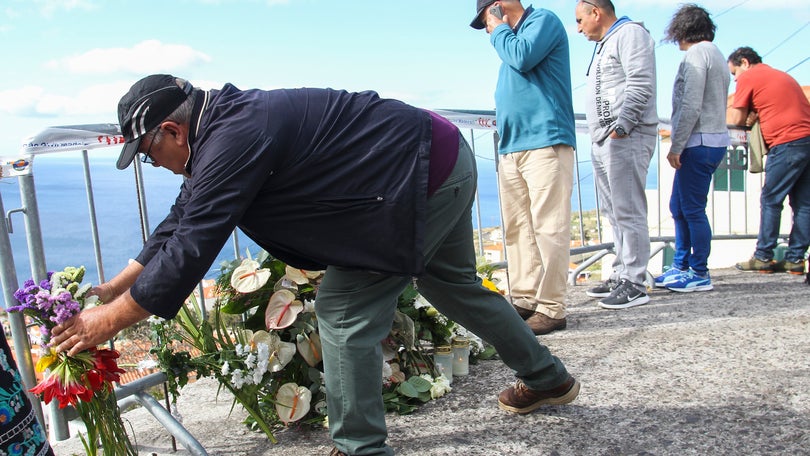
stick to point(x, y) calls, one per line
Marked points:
point(85, 380)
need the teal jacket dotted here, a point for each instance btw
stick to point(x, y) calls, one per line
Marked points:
point(534, 108)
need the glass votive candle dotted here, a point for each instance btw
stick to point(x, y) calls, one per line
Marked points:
point(461, 356)
point(443, 359)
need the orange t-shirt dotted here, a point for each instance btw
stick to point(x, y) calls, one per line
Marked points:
point(784, 112)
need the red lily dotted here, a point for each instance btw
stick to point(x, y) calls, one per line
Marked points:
point(104, 361)
point(94, 379)
point(64, 386)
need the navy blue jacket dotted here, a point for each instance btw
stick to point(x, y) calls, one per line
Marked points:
point(317, 177)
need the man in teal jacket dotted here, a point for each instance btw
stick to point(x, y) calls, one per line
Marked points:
point(535, 118)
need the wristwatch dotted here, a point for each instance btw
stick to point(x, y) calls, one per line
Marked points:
point(620, 131)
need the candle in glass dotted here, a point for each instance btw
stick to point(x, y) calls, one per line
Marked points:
point(443, 358)
point(461, 356)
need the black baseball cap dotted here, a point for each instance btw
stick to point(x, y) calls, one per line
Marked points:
point(148, 103)
point(477, 23)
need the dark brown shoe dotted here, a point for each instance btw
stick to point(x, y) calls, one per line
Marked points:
point(542, 324)
point(522, 399)
point(524, 313)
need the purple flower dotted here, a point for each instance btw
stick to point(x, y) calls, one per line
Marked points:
point(62, 311)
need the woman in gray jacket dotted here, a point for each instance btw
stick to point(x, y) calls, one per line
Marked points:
point(699, 141)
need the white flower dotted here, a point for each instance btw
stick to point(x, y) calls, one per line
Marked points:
point(155, 320)
point(270, 350)
point(225, 368)
point(146, 364)
point(387, 371)
point(248, 277)
point(257, 376)
point(440, 386)
point(420, 302)
point(292, 402)
point(90, 302)
point(237, 379)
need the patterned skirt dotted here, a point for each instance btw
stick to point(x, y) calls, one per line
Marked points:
point(20, 432)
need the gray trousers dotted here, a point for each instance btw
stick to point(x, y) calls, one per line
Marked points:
point(355, 310)
point(620, 169)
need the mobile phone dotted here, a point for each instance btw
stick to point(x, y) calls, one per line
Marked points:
point(496, 11)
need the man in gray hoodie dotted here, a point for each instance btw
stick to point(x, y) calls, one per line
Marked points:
point(622, 121)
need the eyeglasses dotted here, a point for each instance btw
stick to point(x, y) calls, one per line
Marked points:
point(146, 157)
point(592, 4)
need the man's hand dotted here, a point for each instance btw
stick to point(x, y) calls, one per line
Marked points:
point(104, 291)
point(674, 160)
point(492, 21)
point(97, 325)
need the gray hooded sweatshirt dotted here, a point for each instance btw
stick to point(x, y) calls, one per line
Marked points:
point(621, 82)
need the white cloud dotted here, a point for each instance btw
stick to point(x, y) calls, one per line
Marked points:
point(149, 56)
point(33, 101)
point(50, 7)
point(717, 6)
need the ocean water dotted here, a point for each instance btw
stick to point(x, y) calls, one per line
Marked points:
point(65, 220)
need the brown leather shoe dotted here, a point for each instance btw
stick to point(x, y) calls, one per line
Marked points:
point(522, 399)
point(542, 324)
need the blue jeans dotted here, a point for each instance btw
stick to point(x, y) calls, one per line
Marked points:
point(787, 173)
point(693, 234)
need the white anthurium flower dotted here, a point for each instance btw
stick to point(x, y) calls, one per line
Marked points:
point(296, 275)
point(388, 351)
point(247, 277)
point(309, 346)
point(282, 310)
point(281, 353)
point(255, 338)
point(292, 402)
point(397, 376)
point(312, 275)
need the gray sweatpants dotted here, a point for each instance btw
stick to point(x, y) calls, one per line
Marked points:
point(620, 169)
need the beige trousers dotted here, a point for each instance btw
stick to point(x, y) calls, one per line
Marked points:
point(535, 187)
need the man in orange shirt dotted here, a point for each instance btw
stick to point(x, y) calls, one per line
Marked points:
point(784, 116)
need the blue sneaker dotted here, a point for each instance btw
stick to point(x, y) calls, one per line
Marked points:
point(667, 277)
point(690, 281)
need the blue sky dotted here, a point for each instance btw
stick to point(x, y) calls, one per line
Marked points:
point(69, 61)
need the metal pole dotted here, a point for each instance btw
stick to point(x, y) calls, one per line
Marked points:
point(39, 271)
point(141, 200)
point(579, 199)
point(203, 311)
point(496, 139)
point(19, 334)
point(91, 206)
point(170, 424)
point(235, 237)
point(477, 203)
